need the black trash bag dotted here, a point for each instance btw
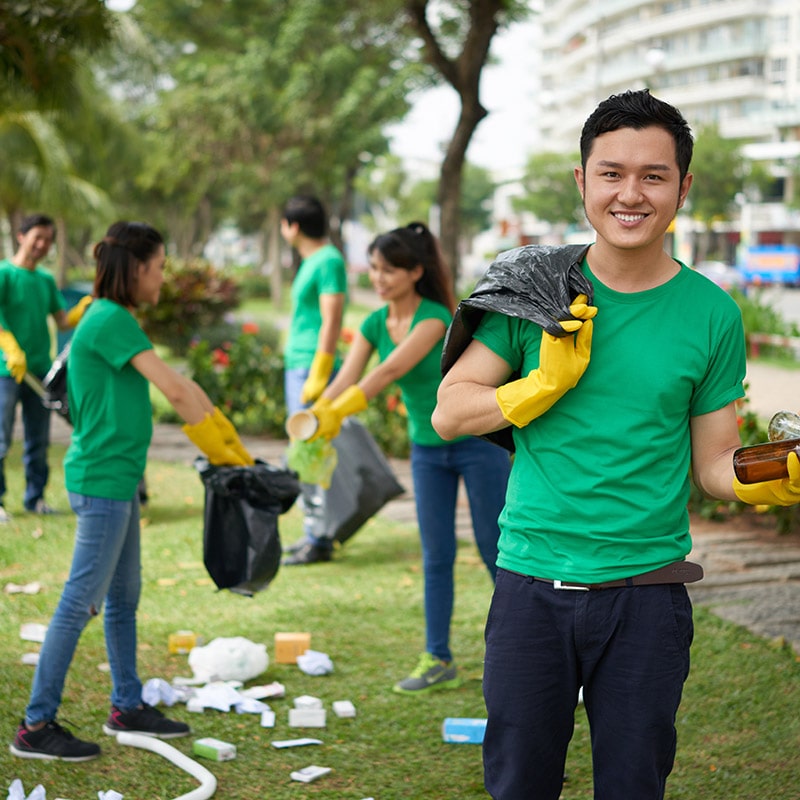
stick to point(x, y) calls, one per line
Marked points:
point(55, 386)
point(241, 541)
point(535, 282)
point(362, 483)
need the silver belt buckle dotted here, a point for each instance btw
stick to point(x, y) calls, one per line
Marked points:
point(573, 588)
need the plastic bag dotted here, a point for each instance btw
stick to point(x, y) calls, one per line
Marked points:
point(314, 461)
point(241, 541)
point(233, 658)
point(535, 282)
point(363, 482)
point(55, 386)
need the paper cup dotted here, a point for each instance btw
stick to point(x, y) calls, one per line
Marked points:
point(302, 425)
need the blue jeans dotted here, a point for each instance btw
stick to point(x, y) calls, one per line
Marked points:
point(312, 497)
point(36, 427)
point(436, 472)
point(106, 566)
point(628, 648)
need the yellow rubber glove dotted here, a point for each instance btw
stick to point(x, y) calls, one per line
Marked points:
point(211, 442)
point(331, 413)
point(76, 312)
point(318, 377)
point(782, 492)
point(15, 357)
point(231, 437)
point(562, 362)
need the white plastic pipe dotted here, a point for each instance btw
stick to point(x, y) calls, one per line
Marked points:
point(208, 783)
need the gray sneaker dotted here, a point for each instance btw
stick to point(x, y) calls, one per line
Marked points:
point(429, 675)
point(4, 516)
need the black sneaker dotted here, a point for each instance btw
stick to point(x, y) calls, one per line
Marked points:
point(52, 743)
point(146, 720)
point(308, 554)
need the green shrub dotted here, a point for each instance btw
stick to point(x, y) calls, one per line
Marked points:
point(195, 297)
point(386, 419)
point(244, 377)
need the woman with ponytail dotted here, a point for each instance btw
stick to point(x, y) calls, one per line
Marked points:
point(409, 274)
point(111, 365)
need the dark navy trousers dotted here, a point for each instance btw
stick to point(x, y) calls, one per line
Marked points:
point(628, 648)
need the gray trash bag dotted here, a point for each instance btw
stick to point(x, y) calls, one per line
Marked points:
point(536, 283)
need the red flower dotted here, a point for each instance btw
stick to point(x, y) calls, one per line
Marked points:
point(347, 335)
point(220, 357)
point(250, 327)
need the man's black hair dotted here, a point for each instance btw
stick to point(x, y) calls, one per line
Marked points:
point(36, 221)
point(309, 213)
point(638, 109)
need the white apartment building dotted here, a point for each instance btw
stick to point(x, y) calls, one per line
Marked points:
point(733, 63)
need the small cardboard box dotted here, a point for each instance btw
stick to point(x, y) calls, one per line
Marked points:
point(214, 749)
point(290, 645)
point(306, 717)
point(463, 730)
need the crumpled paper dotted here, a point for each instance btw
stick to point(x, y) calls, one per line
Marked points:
point(312, 662)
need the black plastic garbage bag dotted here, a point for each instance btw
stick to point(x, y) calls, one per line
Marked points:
point(241, 541)
point(362, 483)
point(535, 282)
point(55, 386)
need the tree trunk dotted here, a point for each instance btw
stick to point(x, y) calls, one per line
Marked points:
point(274, 254)
point(61, 248)
point(463, 73)
point(449, 194)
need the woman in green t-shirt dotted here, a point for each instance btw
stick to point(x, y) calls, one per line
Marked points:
point(411, 277)
point(111, 364)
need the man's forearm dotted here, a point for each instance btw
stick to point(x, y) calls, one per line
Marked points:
point(464, 409)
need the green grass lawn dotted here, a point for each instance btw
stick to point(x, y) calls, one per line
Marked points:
point(738, 728)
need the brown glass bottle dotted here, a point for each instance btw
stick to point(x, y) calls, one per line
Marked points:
point(764, 462)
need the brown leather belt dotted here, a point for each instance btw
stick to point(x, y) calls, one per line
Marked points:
point(679, 572)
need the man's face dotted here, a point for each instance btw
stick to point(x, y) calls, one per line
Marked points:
point(34, 245)
point(631, 186)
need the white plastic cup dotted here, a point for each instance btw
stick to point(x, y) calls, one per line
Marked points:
point(302, 425)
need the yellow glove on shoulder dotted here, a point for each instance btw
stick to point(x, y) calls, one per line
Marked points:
point(562, 362)
point(15, 357)
point(318, 377)
point(76, 312)
point(231, 437)
point(782, 492)
point(331, 413)
point(209, 439)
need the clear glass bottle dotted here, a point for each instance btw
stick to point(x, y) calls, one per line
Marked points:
point(767, 462)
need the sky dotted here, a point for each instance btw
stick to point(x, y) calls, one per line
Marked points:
point(503, 140)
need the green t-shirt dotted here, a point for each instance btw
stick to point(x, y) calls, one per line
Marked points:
point(27, 298)
point(323, 272)
point(600, 482)
point(109, 401)
point(418, 386)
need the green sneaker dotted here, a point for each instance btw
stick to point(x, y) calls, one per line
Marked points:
point(429, 675)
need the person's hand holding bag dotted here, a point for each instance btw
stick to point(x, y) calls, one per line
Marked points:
point(231, 437)
point(210, 440)
point(562, 362)
point(781, 492)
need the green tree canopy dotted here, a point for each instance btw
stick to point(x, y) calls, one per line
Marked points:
point(550, 190)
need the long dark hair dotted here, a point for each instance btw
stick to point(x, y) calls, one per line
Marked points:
point(122, 249)
point(412, 246)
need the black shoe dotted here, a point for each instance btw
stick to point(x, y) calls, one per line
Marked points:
point(308, 554)
point(146, 720)
point(52, 743)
